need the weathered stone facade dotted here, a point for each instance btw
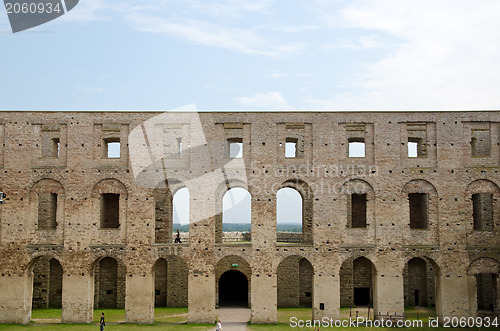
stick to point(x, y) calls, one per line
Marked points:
point(393, 228)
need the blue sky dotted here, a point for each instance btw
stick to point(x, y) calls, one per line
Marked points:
point(256, 55)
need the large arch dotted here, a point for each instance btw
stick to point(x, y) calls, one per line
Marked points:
point(484, 286)
point(109, 283)
point(220, 193)
point(420, 280)
point(307, 207)
point(47, 281)
point(295, 276)
point(233, 289)
point(170, 282)
point(233, 274)
point(357, 282)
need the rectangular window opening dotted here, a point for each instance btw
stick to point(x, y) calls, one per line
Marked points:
point(415, 147)
point(418, 210)
point(291, 147)
point(56, 147)
point(356, 147)
point(482, 211)
point(235, 148)
point(358, 210)
point(179, 147)
point(50, 146)
point(480, 143)
point(112, 148)
point(110, 211)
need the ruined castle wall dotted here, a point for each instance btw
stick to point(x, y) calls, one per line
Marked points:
point(458, 156)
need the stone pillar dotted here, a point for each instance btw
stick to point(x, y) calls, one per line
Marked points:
point(472, 288)
point(264, 298)
point(201, 297)
point(388, 292)
point(139, 298)
point(201, 260)
point(453, 289)
point(77, 297)
point(15, 299)
point(326, 292)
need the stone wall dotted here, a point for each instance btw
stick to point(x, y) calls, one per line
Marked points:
point(64, 153)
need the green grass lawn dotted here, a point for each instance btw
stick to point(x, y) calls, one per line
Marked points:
point(165, 319)
point(176, 319)
point(284, 315)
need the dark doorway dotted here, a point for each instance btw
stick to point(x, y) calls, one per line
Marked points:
point(486, 291)
point(233, 289)
point(361, 296)
point(417, 302)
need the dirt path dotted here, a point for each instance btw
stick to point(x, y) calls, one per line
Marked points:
point(233, 319)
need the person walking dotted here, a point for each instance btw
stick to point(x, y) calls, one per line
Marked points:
point(101, 322)
point(178, 238)
point(219, 326)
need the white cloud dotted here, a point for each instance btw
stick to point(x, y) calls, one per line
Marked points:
point(270, 100)
point(448, 57)
point(211, 34)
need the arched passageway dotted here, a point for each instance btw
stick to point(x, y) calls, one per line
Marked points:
point(357, 282)
point(47, 283)
point(109, 284)
point(170, 282)
point(419, 283)
point(233, 289)
point(295, 282)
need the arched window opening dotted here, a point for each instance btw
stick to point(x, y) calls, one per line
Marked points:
point(180, 215)
point(236, 215)
point(289, 215)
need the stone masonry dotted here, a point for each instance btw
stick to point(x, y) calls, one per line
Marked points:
point(84, 228)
